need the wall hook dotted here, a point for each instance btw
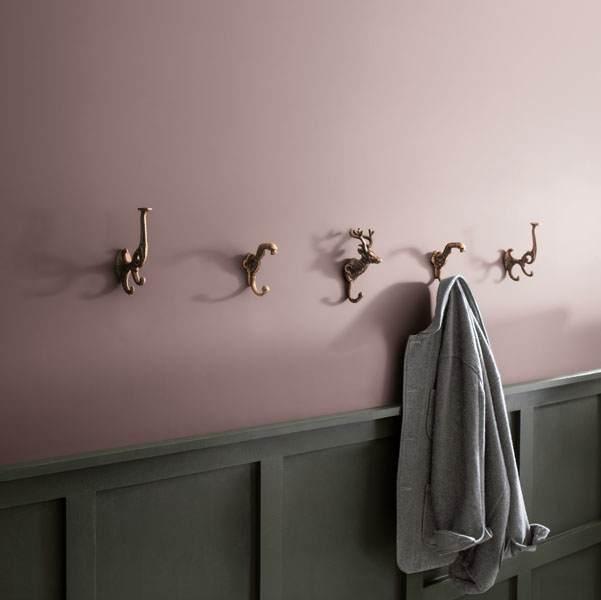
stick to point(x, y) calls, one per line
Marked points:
point(356, 266)
point(527, 259)
point(252, 263)
point(125, 264)
point(439, 259)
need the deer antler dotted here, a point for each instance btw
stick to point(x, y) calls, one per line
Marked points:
point(358, 234)
point(356, 266)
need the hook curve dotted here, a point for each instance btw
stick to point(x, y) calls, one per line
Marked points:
point(252, 263)
point(357, 266)
point(509, 261)
point(439, 259)
point(126, 264)
point(349, 287)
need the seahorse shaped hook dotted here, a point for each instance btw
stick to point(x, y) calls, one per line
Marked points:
point(527, 259)
point(125, 264)
point(439, 259)
point(252, 262)
point(357, 266)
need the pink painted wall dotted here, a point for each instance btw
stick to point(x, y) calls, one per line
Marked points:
point(242, 122)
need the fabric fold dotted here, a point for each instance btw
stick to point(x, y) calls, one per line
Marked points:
point(459, 499)
point(538, 533)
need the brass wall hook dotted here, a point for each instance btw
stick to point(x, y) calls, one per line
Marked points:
point(252, 262)
point(527, 259)
point(356, 266)
point(125, 264)
point(439, 259)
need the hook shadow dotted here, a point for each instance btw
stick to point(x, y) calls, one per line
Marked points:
point(329, 261)
point(486, 267)
point(422, 258)
point(396, 313)
point(231, 264)
point(53, 274)
point(66, 273)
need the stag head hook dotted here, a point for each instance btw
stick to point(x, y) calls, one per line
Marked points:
point(252, 262)
point(527, 258)
point(357, 266)
point(125, 264)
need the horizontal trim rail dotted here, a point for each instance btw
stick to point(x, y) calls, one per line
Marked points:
point(582, 381)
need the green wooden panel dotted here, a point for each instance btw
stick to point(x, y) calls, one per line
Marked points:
point(577, 577)
point(196, 518)
point(270, 536)
point(81, 546)
point(567, 464)
point(32, 552)
point(184, 538)
point(433, 575)
point(505, 590)
point(339, 524)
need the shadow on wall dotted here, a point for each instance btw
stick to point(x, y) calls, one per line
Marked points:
point(398, 312)
point(422, 258)
point(329, 260)
point(57, 274)
point(226, 262)
point(53, 274)
point(486, 267)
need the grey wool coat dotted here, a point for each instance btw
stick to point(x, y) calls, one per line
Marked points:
point(459, 500)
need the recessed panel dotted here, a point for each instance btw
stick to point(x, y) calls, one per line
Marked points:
point(179, 539)
point(567, 464)
point(577, 577)
point(340, 523)
point(505, 590)
point(432, 575)
point(32, 551)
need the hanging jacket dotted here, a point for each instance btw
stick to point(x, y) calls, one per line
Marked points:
point(459, 500)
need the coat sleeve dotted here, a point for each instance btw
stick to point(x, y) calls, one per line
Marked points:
point(454, 515)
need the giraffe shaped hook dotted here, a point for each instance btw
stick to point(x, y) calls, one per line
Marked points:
point(125, 264)
point(252, 263)
point(527, 258)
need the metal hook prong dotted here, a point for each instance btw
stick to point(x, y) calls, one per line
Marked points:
point(252, 262)
point(263, 291)
point(126, 264)
point(354, 267)
point(509, 261)
point(349, 287)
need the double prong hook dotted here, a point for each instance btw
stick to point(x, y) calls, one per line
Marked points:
point(527, 259)
point(252, 262)
point(125, 264)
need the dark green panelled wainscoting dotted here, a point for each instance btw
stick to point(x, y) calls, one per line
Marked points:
point(296, 511)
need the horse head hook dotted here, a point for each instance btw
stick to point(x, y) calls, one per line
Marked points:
point(252, 262)
point(439, 259)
